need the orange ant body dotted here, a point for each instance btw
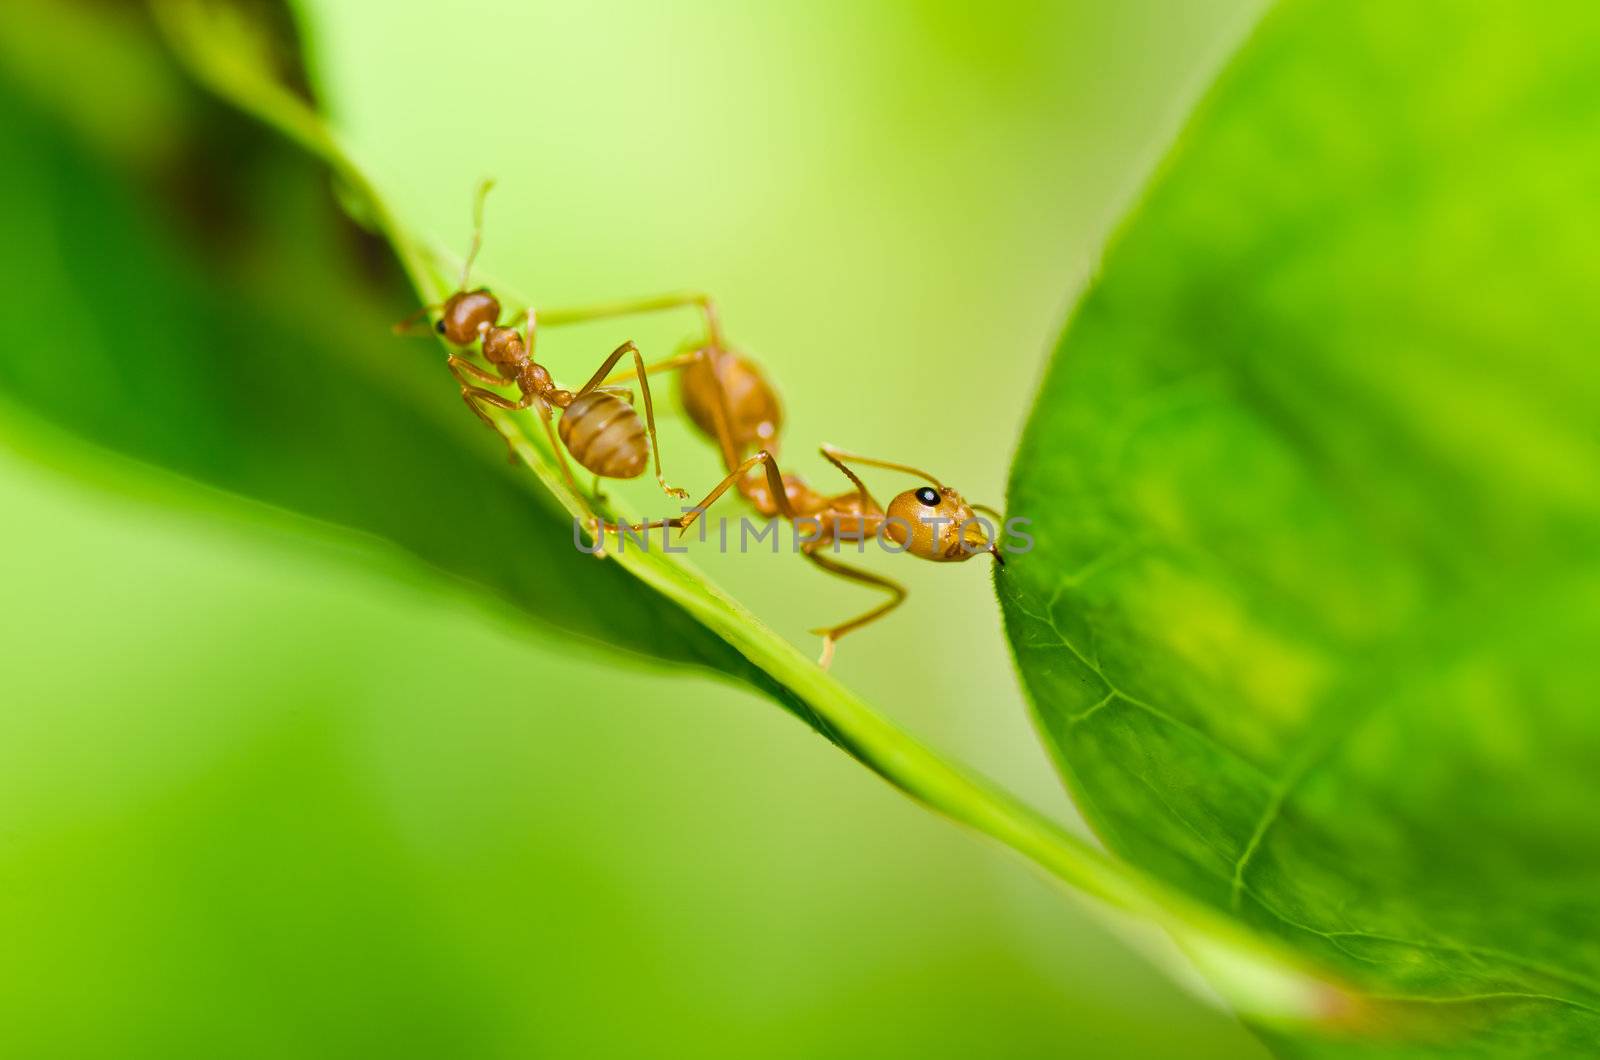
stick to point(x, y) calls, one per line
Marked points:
point(932, 522)
point(728, 399)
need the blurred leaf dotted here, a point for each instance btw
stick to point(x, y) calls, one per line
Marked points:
point(284, 384)
point(140, 121)
point(1315, 478)
point(262, 364)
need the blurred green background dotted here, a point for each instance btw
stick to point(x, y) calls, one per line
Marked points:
point(270, 790)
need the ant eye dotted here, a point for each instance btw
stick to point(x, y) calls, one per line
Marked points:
point(929, 496)
point(439, 327)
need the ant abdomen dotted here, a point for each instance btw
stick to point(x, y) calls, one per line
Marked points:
point(754, 414)
point(605, 435)
point(467, 315)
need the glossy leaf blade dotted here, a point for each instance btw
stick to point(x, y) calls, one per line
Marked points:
point(1315, 477)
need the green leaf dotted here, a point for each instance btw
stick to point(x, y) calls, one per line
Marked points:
point(260, 362)
point(1315, 482)
point(289, 390)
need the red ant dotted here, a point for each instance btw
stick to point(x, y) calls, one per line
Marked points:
point(598, 426)
point(932, 522)
point(728, 399)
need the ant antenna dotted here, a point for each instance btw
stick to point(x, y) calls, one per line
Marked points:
point(886, 465)
point(477, 231)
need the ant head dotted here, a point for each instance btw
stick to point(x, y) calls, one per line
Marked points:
point(503, 345)
point(467, 315)
point(936, 522)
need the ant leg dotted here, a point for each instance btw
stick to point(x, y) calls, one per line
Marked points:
point(478, 412)
point(780, 493)
point(591, 522)
point(649, 407)
point(832, 634)
point(530, 331)
point(720, 415)
point(673, 363)
point(472, 395)
point(459, 364)
point(633, 306)
point(561, 450)
point(683, 522)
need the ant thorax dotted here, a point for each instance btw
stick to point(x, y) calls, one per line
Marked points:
point(503, 346)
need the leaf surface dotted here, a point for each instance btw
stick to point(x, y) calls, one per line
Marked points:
point(223, 328)
point(1315, 482)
